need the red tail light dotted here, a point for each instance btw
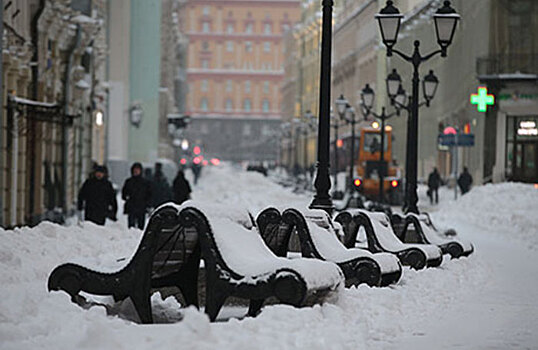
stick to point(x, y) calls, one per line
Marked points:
point(394, 183)
point(357, 182)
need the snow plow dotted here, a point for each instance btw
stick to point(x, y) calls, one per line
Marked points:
point(370, 167)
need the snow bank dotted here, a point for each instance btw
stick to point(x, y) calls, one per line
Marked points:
point(508, 209)
point(395, 317)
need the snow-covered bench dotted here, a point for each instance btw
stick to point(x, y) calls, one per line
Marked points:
point(168, 255)
point(419, 228)
point(381, 238)
point(318, 240)
point(237, 263)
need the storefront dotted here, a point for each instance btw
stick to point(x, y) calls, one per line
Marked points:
point(516, 112)
point(522, 148)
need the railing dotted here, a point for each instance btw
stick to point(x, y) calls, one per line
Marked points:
point(507, 63)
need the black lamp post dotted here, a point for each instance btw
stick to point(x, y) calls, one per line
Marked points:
point(389, 20)
point(349, 117)
point(322, 198)
point(398, 99)
point(367, 99)
point(308, 124)
point(341, 106)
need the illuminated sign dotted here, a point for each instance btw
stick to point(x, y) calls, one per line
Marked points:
point(527, 128)
point(482, 99)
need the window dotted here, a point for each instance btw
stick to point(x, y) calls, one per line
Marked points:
point(204, 104)
point(205, 45)
point(205, 10)
point(265, 87)
point(230, 28)
point(267, 28)
point(230, 46)
point(266, 130)
point(267, 46)
point(248, 46)
point(265, 106)
point(204, 85)
point(229, 86)
point(247, 105)
point(205, 63)
point(229, 105)
point(205, 27)
point(285, 27)
point(249, 28)
point(247, 86)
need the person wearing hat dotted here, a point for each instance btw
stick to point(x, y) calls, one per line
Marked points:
point(97, 197)
point(137, 195)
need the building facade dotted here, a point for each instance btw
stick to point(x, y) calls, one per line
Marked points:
point(54, 88)
point(493, 47)
point(147, 83)
point(234, 71)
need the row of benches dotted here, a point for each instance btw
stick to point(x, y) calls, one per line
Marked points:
point(246, 258)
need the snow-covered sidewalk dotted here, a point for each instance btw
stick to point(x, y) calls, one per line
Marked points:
point(486, 301)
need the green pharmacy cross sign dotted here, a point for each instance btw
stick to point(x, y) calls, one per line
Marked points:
point(482, 99)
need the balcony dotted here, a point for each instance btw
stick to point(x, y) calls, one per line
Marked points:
point(507, 63)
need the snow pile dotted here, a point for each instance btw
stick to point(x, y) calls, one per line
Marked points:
point(479, 302)
point(507, 208)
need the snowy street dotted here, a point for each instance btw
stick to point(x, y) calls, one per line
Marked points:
point(486, 301)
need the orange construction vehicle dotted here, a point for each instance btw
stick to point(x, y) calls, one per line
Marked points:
point(369, 167)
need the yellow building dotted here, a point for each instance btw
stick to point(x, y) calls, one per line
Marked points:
point(234, 71)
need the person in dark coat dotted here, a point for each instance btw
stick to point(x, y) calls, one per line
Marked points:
point(434, 181)
point(465, 181)
point(160, 189)
point(98, 198)
point(137, 195)
point(182, 188)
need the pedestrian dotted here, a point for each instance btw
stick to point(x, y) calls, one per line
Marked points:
point(137, 195)
point(160, 189)
point(97, 197)
point(196, 170)
point(182, 188)
point(434, 181)
point(465, 181)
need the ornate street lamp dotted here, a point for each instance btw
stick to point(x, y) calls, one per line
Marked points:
point(446, 20)
point(429, 87)
point(369, 93)
point(367, 97)
point(389, 19)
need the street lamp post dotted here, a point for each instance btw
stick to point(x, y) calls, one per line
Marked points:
point(367, 99)
point(322, 198)
point(389, 20)
point(307, 126)
point(350, 119)
point(397, 97)
point(341, 106)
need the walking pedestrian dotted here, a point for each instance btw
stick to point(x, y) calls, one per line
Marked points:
point(465, 181)
point(97, 197)
point(196, 170)
point(137, 195)
point(160, 189)
point(182, 188)
point(434, 181)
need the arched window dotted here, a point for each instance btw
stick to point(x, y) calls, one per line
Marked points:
point(265, 106)
point(247, 105)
